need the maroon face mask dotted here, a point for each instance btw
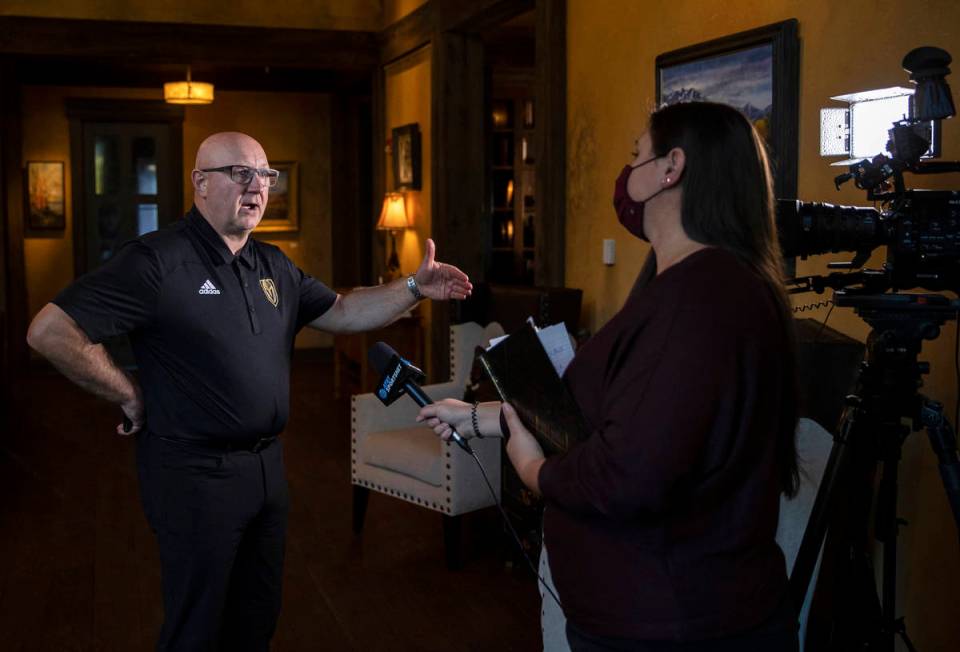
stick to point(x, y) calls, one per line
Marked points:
point(630, 212)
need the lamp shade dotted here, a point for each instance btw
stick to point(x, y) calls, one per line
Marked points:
point(394, 212)
point(188, 92)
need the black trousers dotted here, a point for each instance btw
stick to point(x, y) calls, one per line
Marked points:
point(220, 519)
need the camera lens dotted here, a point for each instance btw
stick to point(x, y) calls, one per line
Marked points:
point(813, 228)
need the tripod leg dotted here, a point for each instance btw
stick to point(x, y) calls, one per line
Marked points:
point(886, 530)
point(846, 612)
point(943, 440)
point(902, 632)
point(819, 519)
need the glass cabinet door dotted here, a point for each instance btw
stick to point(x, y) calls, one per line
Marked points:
point(128, 192)
point(513, 195)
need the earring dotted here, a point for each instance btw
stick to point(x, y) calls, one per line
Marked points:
point(667, 180)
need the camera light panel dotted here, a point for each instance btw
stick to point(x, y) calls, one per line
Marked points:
point(834, 132)
point(861, 130)
point(870, 123)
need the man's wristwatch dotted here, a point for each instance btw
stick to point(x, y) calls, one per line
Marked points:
point(414, 288)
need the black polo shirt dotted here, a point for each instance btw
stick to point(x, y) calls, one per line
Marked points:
point(212, 332)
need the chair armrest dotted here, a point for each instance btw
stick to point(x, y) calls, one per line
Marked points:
point(369, 415)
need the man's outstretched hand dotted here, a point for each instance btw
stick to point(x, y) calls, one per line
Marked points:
point(440, 281)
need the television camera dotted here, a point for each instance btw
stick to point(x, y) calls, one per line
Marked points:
point(921, 231)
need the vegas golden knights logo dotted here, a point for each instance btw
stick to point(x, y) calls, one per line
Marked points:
point(270, 291)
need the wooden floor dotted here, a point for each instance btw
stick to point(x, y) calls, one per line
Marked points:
point(79, 569)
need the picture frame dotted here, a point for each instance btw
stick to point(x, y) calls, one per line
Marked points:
point(45, 205)
point(406, 157)
point(283, 203)
point(756, 71)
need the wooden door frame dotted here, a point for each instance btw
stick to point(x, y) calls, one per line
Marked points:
point(351, 194)
point(551, 142)
point(13, 322)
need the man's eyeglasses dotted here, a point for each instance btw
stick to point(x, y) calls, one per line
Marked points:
point(244, 175)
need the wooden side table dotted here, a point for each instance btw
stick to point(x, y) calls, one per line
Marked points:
point(352, 371)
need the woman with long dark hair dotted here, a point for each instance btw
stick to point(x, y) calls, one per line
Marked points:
point(660, 525)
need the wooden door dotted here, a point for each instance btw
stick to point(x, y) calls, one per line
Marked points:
point(128, 186)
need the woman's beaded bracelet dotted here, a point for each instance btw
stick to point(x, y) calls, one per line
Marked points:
point(475, 421)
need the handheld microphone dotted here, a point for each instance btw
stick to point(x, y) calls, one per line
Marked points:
point(397, 377)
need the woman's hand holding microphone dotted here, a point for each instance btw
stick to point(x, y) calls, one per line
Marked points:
point(483, 420)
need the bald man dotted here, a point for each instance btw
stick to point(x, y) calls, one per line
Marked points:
point(211, 314)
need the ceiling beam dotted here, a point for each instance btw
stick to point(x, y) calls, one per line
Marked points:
point(73, 71)
point(152, 42)
point(418, 28)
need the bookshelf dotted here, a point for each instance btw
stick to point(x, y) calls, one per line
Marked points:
point(513, 195)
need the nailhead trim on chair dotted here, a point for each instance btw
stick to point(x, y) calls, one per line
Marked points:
point(403, 495)
point(353, 444)
point(453, 350)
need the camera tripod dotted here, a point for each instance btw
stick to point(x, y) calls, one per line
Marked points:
point(872, 433)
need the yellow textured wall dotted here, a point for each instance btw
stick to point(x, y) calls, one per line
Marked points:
point(290, 126)
point(394, 10)
point(845, 46)
point(330, 14)
point(407, 91)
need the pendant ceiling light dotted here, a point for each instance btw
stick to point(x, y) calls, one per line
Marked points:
point(188, 92)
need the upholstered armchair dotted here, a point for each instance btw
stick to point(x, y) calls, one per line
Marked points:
point(394, 455)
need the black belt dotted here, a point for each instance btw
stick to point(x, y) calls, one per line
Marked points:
point(227, 446)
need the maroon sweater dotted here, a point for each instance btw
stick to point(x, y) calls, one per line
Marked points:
point(661, 524)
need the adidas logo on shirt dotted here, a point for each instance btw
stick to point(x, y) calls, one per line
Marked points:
point(208, 288)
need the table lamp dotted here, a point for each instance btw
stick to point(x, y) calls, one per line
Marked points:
point(393, 218)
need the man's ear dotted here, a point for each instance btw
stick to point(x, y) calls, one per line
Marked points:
point(199, 180)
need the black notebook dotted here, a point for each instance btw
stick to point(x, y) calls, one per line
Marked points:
point(525, 378)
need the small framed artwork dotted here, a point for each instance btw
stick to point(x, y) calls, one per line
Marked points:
point(283, 202)
point(406, 157)
point(45, 205)
point(757, 72)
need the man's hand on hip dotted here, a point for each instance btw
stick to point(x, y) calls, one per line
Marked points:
point(133, 412)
